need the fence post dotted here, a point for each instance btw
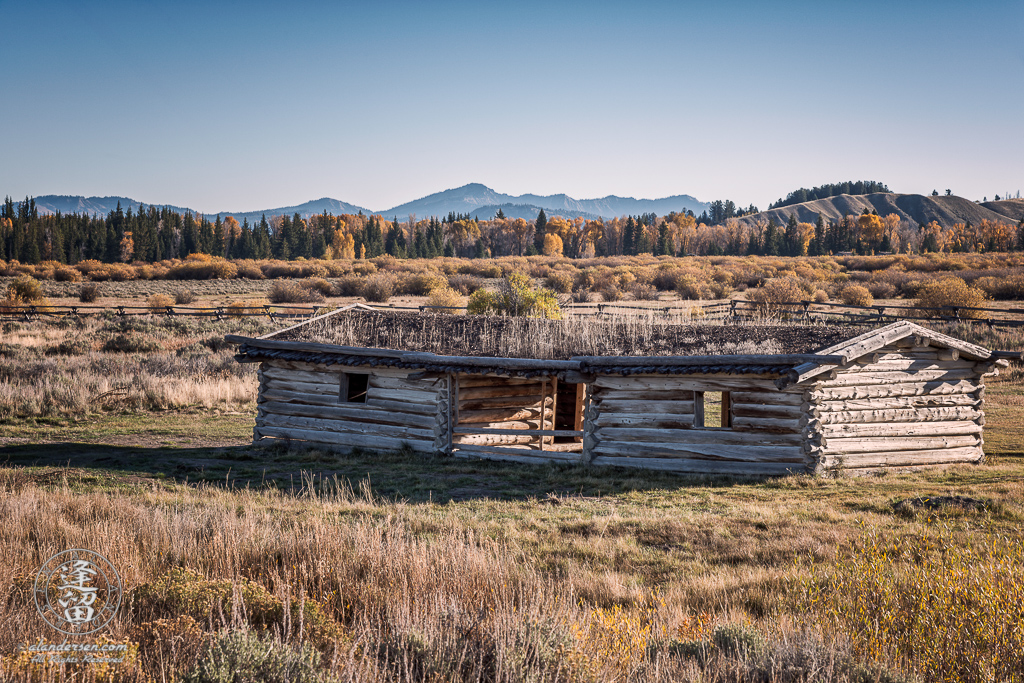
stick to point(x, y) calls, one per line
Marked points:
point(732, 308)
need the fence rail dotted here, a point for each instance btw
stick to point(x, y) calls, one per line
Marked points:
point(733, 310)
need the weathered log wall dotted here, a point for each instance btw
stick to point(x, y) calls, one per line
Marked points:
point(300, 401)
point(502, 418)
point(648, 421)
point(907, 405)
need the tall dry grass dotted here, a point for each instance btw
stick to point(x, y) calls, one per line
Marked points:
point(147, 363)
point(382, 591)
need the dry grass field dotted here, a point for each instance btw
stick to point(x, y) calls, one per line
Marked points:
point(131, 437)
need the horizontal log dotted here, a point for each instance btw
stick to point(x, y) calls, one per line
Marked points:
point(289, 375)
point(683, 438)
point(511, 402)
point(896, 402)
point(470, 393)
point(774, 397)
point(704, 383)
point(353, 411)
point(478, 416)
point(472, 381)
point(401, 384)
point(717, 451)
point(906, 389)
point(493, 362)
point(271, 394)
point(767, 411)
point(902, 429)
point(346, 439)
point(837, 446)
point(846, 379)
point(510, 454)
point(491, 440)
point(695, 466)
point(717, 359)
point(909, 365)
point(680, 408)
point(530, 432)
point(904, 458)
point(343, 426)
point(323, 389)
point(927, 414)
point(652, 419)
point(399, 395)
point(512, 424)
point(316, 372)
point(646, 395)
point(313, 347)
point(768, 424)
point(403, 406)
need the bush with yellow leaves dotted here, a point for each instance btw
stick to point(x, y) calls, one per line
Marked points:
point(950, 292)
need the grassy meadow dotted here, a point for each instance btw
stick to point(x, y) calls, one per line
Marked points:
point(132, 438)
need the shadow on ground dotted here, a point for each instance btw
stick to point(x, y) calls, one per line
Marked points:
point(395, 475)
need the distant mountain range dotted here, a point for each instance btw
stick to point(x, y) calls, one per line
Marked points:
point(474, 199)
point(911, 208)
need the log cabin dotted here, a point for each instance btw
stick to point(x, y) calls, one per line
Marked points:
point(740, 399)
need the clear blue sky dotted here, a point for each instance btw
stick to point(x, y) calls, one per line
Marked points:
point(231, 106)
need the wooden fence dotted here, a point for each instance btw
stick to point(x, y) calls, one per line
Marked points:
point(718, 311)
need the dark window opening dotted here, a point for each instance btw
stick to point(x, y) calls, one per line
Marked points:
point(353, 387)
point(712, 410)
point(569, 410)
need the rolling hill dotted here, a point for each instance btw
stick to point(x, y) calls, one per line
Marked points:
point(917, 208)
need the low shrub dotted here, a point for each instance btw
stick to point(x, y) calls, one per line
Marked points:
point(820, 296)
point(643, 291)
point(856, 295)
point(610, 292)
point(1010, 288)
point(949, 291)
point(244, 657)
point(516, 296)
point(348, 285)
point(249, 270)
point(292, 292)
point(690, 288)
point(418, 284)
point(89, 292)
point(203, 267)
point(446, 296)
point(183, 591)
point(778, 290)
point(130, 342)
point(25, 290)
point(318, 284)
point(159, 303)
point(465, 284)
point(242, 309)
point(184, 297)
point(379, 287)
point(560, 281)
point(64, 273)
point(720, 289)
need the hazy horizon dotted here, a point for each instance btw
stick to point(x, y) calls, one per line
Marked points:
point(227, 107)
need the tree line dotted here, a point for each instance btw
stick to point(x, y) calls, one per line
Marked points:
point(153, 234)
point(830, 190)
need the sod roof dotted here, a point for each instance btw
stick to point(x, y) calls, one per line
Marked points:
point(507, 337)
